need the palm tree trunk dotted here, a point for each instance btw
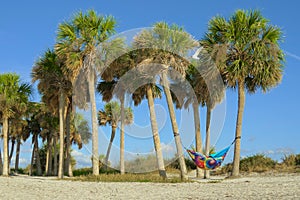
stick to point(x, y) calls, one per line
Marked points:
point(5, 145)
point(122, 137)
point(55, 155)
point(61, 135)
point(37, 156)
point(68, 142)
point(49, 155)
point(156, 139)
point(32, 159)
point(238, 131)
point(207, 139)
point(13, 141)
point(1, 164)
point(178, 143)
point(17, 155)
point(95, 155)
point(70, 168)
point(8, 151)
point(112, 137)
point(198, 139)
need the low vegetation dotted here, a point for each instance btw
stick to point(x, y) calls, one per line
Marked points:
point(116, 177)
point(258, 163)
point(261, 163)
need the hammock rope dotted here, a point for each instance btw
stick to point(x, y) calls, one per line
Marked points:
point(212, 161)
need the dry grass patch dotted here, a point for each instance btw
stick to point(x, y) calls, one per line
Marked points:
point(155, 178)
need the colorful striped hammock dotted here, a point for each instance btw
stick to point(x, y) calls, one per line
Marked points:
point(210, 162)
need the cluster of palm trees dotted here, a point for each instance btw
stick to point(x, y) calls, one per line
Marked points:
point(21, 118)
point(240, 52)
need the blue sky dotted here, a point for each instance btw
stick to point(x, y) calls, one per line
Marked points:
point(270, 125)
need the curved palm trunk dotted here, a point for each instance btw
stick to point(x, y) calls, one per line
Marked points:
point(238, 131)
point(17, 155)
point(61, 135)
point(207, 139)
point(198, 139)
point(158, 151)
point(180, 155)
point(122, 138)
point(5, 145)
point(112, 137)
point(95, 155)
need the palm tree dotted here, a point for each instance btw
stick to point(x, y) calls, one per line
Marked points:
point(246, 50)
point(141, 85)
point(167, 46)
point(150, 92)
point(56, 89)
point(112, 115)
point(207, 81)
point(14, 96)
point(35, 129)
point(80, 131)
point(17, 132)
point(76, 43)
point(49, 124)
point(194, 96)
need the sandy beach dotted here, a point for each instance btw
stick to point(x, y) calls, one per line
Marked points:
point(278, 186)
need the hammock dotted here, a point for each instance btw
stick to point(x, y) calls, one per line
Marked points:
point(210, 162)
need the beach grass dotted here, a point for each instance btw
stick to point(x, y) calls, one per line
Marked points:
point(147, 177)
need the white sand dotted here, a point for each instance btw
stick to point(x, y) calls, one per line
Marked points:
point(280, 186)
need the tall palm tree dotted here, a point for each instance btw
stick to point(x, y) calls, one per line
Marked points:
point(56, 88)
point(150, 92)
point(77, 42)
point(167, 46)
point(246, 49)
point(194, 94)
point(34, 129)
point(14, 95)
point(127, 73)
point(112, 115)
point(208, 83)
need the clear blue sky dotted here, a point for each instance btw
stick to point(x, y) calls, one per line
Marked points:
point(271, 121)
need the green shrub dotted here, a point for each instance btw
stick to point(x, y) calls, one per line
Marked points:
point(108, 170)
point(291, 160)
point(297, 160)
point(190, 165)
point(20, 170)
point(82, 172)
point(257, 163)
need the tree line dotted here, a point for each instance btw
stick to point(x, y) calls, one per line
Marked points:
point(241, 53)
